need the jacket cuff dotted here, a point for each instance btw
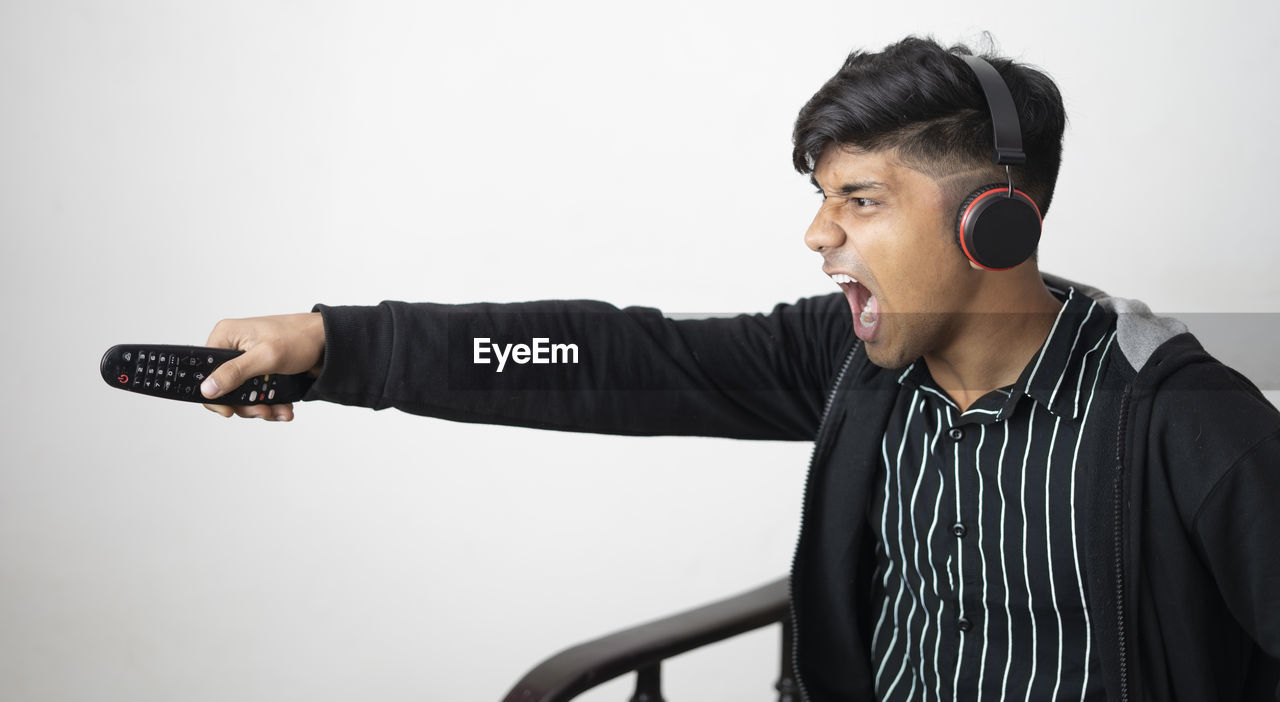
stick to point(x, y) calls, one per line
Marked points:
point(357, 353)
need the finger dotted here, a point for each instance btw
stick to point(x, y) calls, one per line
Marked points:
point(223, 410)
point(227, 334)
point(271, 413)
point(282, 413)
point(233, 373)
point(255, 412)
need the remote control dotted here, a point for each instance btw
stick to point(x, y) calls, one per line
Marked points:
point(175, 373)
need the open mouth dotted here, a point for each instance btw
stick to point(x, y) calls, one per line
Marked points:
point(863, 304)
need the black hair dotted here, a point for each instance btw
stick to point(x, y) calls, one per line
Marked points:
point(923, 102)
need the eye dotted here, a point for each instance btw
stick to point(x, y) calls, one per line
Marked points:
point(858, 202)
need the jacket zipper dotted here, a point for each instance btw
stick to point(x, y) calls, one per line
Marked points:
point(795, 621)
point(1118, 492)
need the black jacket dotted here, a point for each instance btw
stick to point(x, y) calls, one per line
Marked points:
point(1182, 560)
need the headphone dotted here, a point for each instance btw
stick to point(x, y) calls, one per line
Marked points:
point(999, 226)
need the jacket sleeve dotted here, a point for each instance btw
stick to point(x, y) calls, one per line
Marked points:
point(1237, 526)
point(589, 366)
point(1228, 436)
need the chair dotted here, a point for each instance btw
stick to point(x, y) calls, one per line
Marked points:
point(641, 649)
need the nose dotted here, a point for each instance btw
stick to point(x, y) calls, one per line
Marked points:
point(823, 233)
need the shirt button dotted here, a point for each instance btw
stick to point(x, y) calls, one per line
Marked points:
point(964, 624)
point(956, 433)
point(959, 530)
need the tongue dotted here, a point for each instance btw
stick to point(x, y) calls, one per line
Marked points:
point(871, 312)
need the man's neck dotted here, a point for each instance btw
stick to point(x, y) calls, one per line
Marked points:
point(995, 342)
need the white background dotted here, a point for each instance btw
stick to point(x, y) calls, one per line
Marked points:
point(167, 164)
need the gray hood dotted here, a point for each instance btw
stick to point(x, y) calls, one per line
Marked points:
point(1138, 330)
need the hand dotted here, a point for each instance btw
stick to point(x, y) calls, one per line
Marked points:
point(287, 344)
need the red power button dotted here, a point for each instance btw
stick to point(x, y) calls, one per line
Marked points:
point(124, 379)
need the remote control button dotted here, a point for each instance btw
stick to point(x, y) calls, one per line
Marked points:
point(253, 395)
point(124, 379)
point(191, 361)
point(186, 390)
point(199, 375)
point(209, 360)
point(271, 394)
point(128, 356)
point(167, 383)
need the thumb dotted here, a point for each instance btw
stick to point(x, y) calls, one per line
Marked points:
point(233, 373)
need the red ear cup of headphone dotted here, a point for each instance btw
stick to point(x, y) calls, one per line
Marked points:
point(998, 231)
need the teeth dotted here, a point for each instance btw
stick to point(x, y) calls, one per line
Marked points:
point(867, 319)
point(843, 278)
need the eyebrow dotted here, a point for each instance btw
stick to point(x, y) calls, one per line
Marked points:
point(853, 187)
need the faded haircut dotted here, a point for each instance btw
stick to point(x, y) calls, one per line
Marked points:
point(922, 103)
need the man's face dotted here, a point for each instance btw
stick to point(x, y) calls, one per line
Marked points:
point(891, 229)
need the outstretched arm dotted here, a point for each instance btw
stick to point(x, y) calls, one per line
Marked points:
point(629, 371)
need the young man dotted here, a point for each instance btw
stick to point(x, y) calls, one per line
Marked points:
point(1021, 487)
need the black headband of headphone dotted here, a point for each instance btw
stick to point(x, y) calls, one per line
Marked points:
point(999, 227)
point(1007, 133)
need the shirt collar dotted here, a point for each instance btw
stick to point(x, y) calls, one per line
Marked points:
point(1053, 376)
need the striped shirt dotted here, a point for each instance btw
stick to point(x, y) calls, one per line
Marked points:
point(980, 550)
